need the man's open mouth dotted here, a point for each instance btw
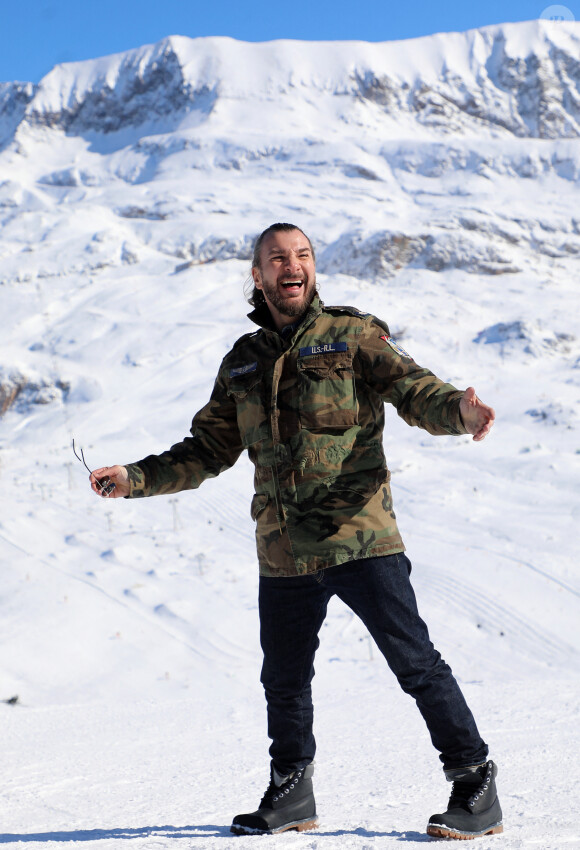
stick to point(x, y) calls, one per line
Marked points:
point(291, 284)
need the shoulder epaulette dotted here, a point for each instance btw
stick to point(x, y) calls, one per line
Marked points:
point(237, 344)
point(354, 311)
point(244, 338)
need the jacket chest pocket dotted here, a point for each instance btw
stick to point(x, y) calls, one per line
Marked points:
point(247, 393)
point(327, 395)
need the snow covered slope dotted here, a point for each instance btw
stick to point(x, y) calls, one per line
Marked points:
point(438, 179)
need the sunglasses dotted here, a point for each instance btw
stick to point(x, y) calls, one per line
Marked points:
point(105, 485)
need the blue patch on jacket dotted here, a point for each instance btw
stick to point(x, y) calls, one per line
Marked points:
point(244, 370)
point(323, 348)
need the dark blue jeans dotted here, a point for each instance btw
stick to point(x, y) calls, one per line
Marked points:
point(379, 591)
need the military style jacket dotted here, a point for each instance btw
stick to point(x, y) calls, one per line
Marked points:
point(310, 412)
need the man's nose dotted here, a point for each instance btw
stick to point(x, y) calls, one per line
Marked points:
point(292, 263)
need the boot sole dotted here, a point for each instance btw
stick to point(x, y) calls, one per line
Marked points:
point(437, 831)
point(299, 826)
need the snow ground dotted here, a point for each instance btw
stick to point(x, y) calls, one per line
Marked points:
point(154, 771)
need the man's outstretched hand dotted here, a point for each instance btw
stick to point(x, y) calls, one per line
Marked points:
point(477, 416)
point(117, 475)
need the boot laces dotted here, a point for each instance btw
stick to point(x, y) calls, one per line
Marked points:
point(288, 786)
point(275, 792)
point(464, 792)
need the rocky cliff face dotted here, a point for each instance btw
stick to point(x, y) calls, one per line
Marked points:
point(534, 92)
point(143, 88)
point(14, 100)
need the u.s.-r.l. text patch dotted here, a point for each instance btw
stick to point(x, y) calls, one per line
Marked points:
point(323, 348)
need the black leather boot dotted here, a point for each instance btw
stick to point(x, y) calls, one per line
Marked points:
point(473, 808)
point(288, 805)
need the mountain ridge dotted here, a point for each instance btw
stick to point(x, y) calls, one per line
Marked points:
point(523, 79)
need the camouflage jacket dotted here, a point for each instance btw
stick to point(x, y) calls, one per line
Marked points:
point(310, 412)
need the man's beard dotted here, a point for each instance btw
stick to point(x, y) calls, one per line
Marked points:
point(291, 307)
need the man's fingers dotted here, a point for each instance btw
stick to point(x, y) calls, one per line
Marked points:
point(478, 417)
point(470, 396)
point(101, 483)
point(110, 481)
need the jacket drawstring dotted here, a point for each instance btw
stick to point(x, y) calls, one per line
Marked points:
point(279, 514)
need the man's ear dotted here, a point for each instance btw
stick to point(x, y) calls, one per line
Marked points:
point(257, 277)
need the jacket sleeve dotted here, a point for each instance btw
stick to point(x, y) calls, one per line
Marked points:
point(419, 396)
point(213, 447)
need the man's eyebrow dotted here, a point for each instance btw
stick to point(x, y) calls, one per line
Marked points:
point(273, 251)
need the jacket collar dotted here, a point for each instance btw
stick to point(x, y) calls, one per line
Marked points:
point(261, 315)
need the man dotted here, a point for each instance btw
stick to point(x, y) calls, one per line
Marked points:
point(305, 396)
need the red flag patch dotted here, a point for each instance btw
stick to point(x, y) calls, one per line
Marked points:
point(395, 345)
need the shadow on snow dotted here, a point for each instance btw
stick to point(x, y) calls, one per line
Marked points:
point(203, 831)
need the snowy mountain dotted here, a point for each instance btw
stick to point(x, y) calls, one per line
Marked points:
point(438, 180)
point(522, 79)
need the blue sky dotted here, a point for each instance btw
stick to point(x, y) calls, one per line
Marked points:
point(35, 35)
